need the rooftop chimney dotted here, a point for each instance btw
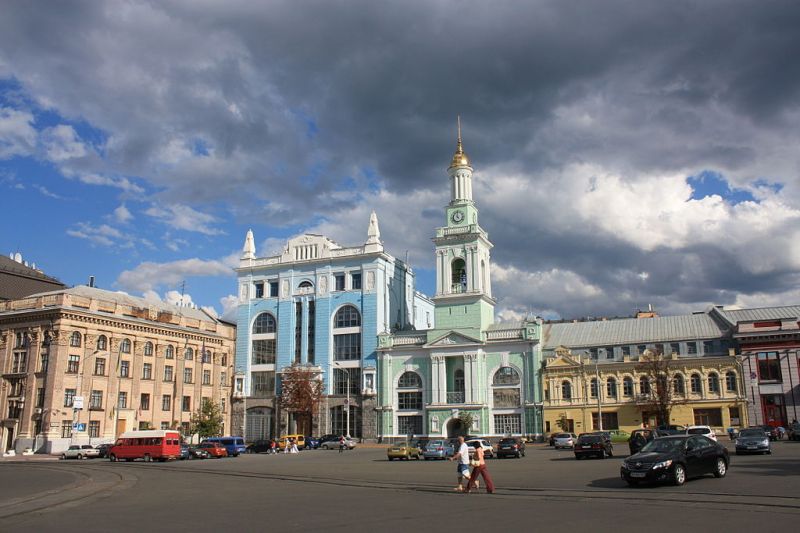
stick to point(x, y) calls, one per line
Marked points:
point(91, 281)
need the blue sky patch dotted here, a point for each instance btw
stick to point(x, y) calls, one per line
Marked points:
point(710, 183)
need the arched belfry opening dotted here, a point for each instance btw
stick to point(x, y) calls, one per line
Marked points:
point(458, 281)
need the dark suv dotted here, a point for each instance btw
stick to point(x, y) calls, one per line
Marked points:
point(593, 444)
point(510, 447)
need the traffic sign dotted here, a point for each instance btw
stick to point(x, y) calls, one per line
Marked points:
point(77, 402)
point(79, 426)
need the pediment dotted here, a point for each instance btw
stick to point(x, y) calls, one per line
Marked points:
point(562, 359)
point(453, 338)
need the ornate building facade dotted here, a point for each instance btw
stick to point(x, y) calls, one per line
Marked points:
point(467, 374)
point(82, 365)
point(319, 305)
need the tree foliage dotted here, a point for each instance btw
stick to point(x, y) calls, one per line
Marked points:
point(207, 421)
point(466, 419)
point(301, 393)
point(659, 371)
point(563, 422)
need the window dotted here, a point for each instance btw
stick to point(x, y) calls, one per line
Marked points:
point(223, 360)
point(627, 387)
point(338, 417)
point(75, 339)
point(20, 340)
point(696, 384)
point(340, 380)
point(610, 421)
point(122, 401)
point(147, 371)
point(660, 348)
point(409, 380)
point(505, 424)
point(96, 399)
point(338, 282)
point(164, 425)
point(186, 428)
point(311, 331)
point(94, 429)
point(144, 402)
point(206, 377)
point(691, 348)
point(708, 417)
point(148, 349)
point(186, 405)
point(168, 376)
point(262, 384)
point(708, 347)
point(273, 289)
point(73, 363)
point(223, 379)
point(187, 375)
point(730, 381)
point(733, 413)
point(347, 317)
point(44, 361)
point(506, 376)
point(355, 281)
point(641, 349)
point(100, 366)
point(40, 397)
point(409, 400)
point(644, 385)
point(264, 352)
point(566, 390)
point(458, 278)
point(102, 342)
point(611, 388)
point(69, 397)
point(188, 354)
point(347, 347)
point(409, 425)
point(675, 348)
point(626, 351)
point(125, 346)
point(259, 289)
point(20, 363)
point(678, 385)
point(124, 369)
point(506, 397)
point(66, 429)
point(713, 382)
point(609, 352)
point(166, 402)
point(593, 388)
point(593, 353)
point(169, 352)
point(298, 332)
point(223, 405)
point(769, 367)
point(206, 356)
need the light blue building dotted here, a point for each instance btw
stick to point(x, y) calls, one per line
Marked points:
point(322, 306)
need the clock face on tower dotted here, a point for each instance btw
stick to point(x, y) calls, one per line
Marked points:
point(458, 216)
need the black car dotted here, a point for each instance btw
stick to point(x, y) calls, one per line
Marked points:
point(510, 447)
point(593, 444)
point(328, 438)
point(675, 459)
point(640, 437)
point(103, 449)
point(259, 446)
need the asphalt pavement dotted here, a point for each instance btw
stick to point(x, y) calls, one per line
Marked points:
point(361, 490)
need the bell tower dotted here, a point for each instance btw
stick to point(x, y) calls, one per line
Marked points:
point(463, 263)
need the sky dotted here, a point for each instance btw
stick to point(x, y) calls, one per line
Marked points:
point(626, 153)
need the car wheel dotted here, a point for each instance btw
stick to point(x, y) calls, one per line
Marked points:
point(147, 458)
point(721, 469)
point(80, 456)
point(678, 475)
point(63, 456)
point(112, 458)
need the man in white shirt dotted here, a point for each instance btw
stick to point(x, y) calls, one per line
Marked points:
point(462, 456)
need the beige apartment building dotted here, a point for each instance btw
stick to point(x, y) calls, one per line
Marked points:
point(82, 365)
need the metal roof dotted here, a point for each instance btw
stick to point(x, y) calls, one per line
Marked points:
point(631, 331)
point(18, 280)
point(764, 313)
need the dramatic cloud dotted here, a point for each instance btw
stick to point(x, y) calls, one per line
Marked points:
point(149, 276)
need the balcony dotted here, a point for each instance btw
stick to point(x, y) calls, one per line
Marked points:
point(455, 397)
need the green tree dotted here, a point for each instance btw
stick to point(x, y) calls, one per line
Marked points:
point(466, 419)
point(207, 420)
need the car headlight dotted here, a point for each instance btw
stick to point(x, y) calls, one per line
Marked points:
point(663, 464)
point(765, 442)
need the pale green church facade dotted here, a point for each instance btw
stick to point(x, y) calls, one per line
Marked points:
point(428, 380)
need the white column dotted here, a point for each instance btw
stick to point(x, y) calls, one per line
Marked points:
point(468, 383)
point(442, 379)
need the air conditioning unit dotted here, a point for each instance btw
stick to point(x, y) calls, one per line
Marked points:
point(37, 411)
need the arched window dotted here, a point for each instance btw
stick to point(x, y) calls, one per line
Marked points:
point(347, 317)
point(102, 342)
point(305, 287)
point(566, 390)
point(148, 348)
point(506, 376)
point(264, 323)
point(409, 380)
point(730, 381)
point(713, 382)
point(627, 387)
point(188, 354)
point(644, 385)
point(125, 346)
point(458, 276)
point(75, 339)
point(611, 388)
point(678, 385)
point(593, 388)
point(696, 383)
point(169, 352)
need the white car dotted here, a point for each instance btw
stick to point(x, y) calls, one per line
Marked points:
point(565, 440)
point(706, 431)
point(85, 451)
point(488, 451)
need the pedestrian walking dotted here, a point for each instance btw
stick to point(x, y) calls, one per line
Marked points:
point(462, 470)
point(479, 468)
point(294, 446)
point(342, 444)
point(288, 446)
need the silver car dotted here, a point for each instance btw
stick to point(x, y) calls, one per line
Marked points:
point(565, 440)
point(753, 440)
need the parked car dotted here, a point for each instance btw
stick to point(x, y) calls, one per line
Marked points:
point(420, 445)
point(80, 451)
point(312, 443)
point(752, 440)
point(619, 435)
point(794, 431)
point(593, 444)
point(330, 436)
point(702, 430)
point(565, 440)
point(676, 459)
point(350, 443)
point(233, 445)
point(259, 446)
point(198, 453)
point(438, 449)
point(214, 449)
point(488, 451)
point(102, 450)
point(402, 450)
point(510, 447)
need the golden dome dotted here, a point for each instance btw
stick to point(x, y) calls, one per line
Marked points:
point(460, 158)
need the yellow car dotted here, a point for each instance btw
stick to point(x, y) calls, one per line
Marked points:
point(300, 440)
point(402, 450)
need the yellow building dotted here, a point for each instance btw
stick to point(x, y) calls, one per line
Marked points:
point(601, 370)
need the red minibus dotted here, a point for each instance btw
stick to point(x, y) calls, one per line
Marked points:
point(148, 444)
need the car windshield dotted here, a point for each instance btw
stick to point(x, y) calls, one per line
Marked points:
point(508, 441)
point(401, 444)
point(590, 438)
point(697, 431)
point(663, 445)
point(752, 433)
